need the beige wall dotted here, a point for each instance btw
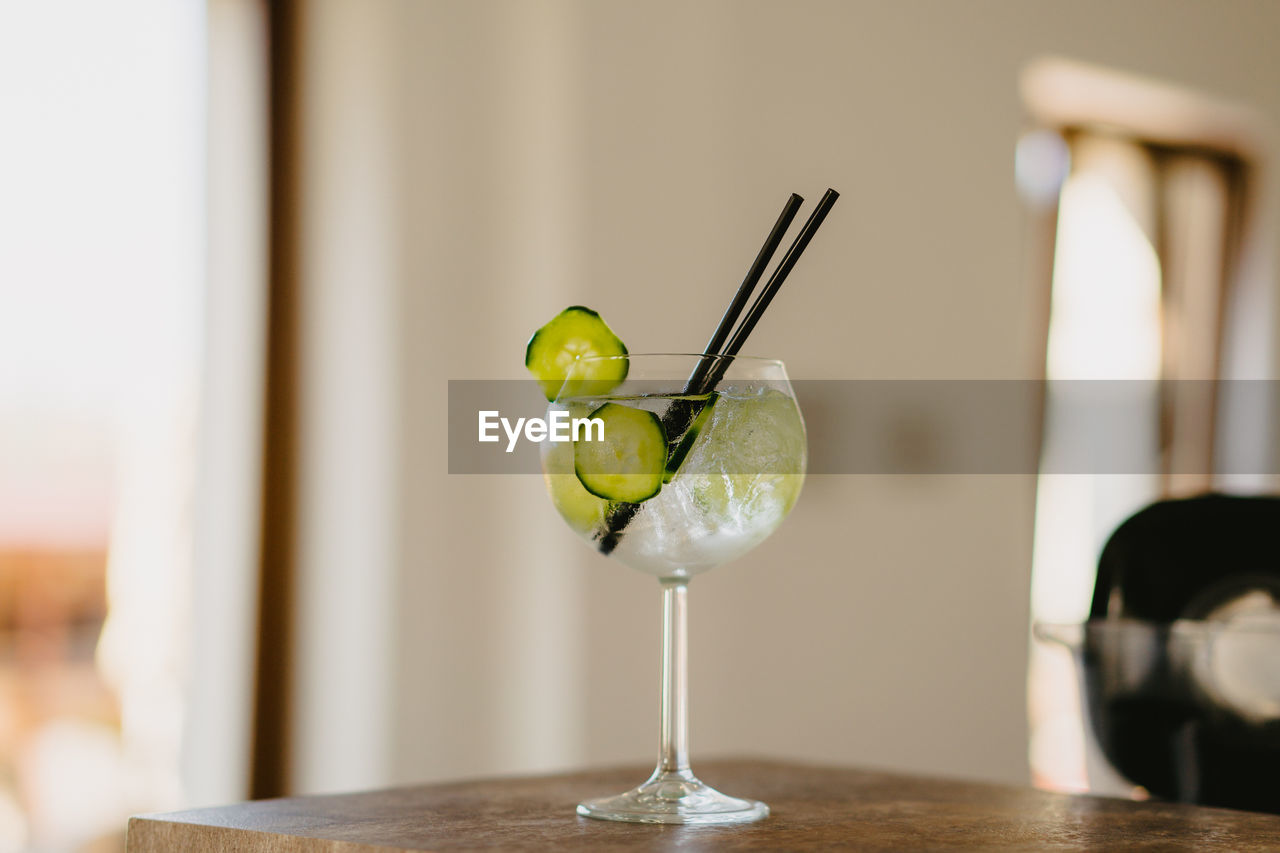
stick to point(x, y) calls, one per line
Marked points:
point(630, 156)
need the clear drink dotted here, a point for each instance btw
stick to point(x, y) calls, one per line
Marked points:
point(741, 477)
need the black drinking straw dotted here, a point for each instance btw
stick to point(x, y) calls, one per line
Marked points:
point(774, 284)
point(680, 414)
point(711, 368)
point(739, 301)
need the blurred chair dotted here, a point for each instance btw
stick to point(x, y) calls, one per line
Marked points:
point(1181, 654)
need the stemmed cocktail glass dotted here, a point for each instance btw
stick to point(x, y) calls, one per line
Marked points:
point(737, 456)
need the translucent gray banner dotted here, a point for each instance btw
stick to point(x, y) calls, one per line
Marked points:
point(955, 426)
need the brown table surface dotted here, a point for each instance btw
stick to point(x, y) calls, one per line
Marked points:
point(814, 808)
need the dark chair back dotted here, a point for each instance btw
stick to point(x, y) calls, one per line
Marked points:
point(1175, 560)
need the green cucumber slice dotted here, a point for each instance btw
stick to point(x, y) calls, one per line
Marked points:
point(627, 465)
point(583, 511)
point(678, 453)
point(574, 332)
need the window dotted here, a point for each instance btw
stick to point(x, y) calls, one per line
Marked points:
point(1142, 193)
point(101, 266)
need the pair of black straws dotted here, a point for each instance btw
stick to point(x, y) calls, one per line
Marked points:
point(726, 342)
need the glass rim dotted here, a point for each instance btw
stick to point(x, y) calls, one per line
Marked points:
point(755, 359)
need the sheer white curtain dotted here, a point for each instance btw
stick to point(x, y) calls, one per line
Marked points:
point(101, 292)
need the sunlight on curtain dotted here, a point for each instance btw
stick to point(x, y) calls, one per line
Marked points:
point(101, 255)
point(1105, 324)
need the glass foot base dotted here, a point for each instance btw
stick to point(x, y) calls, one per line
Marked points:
point(674, 798)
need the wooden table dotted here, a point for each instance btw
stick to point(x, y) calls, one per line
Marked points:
point(814, 808)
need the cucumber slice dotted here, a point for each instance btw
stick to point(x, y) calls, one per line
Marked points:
point(583, 511)
point(576, 331)
point(628, 464)
point(676, 457)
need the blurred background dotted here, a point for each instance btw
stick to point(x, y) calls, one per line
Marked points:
point(245, 244)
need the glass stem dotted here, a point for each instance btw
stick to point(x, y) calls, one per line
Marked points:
point(673, 750)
